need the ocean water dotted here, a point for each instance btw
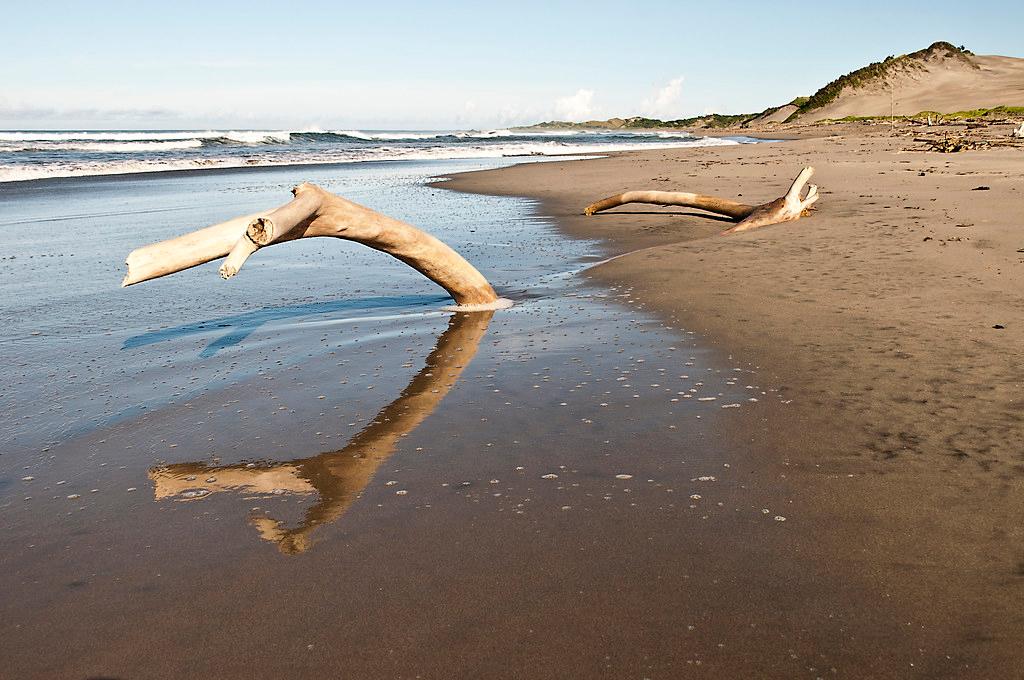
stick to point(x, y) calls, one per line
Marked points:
point(39, 154)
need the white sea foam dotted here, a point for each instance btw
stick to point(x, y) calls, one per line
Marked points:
point(102, 136)
point(256, 136)
point(102, 147)
point(395, 136)
point(354, 133)
point(487, 134)
point(245, 136)
point(20, 173)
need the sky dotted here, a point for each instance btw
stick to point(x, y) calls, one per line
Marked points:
point(448, 65)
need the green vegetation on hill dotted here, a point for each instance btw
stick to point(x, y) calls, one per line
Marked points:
point(976, 114)
point(880, 70)
point(996, 113)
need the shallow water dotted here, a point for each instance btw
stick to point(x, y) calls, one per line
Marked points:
point(84, 351)
point(315, 469)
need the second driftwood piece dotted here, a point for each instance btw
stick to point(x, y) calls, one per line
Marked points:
point(313, 212)
point(784, 209)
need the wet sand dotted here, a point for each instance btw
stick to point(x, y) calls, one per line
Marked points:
point(598, 482)
point(346, 480)
point(893, 320)
point(546, 520)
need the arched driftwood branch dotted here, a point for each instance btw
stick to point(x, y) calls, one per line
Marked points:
point(785, 209)
point(313, 212)
point(335, 477)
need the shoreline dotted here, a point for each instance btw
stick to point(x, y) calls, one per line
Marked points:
point(892, 319)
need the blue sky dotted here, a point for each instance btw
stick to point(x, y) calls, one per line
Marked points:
point(448, 65)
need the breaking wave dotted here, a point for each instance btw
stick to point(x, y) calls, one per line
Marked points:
point(32, 155)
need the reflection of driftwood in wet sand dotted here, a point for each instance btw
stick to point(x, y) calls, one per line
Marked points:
point(784, 209)
point(313, 212)
point(337, 477)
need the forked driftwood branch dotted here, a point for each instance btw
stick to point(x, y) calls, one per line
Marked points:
point(784, 209)
point(313, 212)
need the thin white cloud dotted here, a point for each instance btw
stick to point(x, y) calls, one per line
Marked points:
point(577, 107)
point(667, 102)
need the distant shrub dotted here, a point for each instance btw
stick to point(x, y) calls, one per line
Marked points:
point(975, 114)
point(711, 120)
point(995, 113)
point(640, 122)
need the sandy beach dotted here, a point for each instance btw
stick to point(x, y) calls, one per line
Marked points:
point(786, 453)
point(892, 322)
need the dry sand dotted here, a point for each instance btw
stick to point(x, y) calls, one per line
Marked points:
point(894, 321)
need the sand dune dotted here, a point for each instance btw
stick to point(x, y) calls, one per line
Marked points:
point(779, 115)
point(940, 78)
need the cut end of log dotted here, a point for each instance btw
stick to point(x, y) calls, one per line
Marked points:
point(261, 231)
point(131, 277)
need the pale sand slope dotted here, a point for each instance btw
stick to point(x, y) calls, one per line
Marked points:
point(876, 315)
point(945, 85)
point(777, 116)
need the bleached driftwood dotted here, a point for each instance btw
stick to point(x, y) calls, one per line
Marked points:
point(313, 212)
point(337, 478)
point(1019, 132)
point(785, 209)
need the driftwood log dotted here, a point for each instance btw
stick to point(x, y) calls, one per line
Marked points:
point(337, 478)
point(784, 209)
point(313, 212)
